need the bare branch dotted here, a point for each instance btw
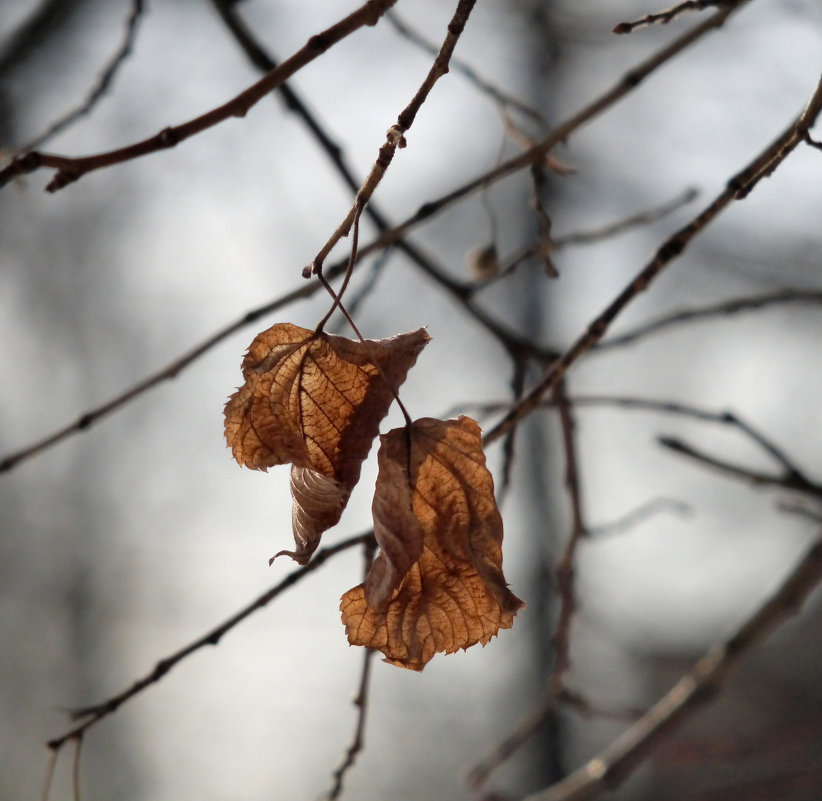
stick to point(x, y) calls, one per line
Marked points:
point(360, 700)
point(789, 480)
point(93, 714)
point(725, 308)
point(618, 760)
point(641, 218)
point(71, 169)
point(103, 83)
point(499, 96)
point(395, 137)
point(640, 514)
point(540, 250)
point(664, 17)
point(737, 188)
point(565, 567)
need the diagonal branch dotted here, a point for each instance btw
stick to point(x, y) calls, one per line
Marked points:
point(69, 169)
point(725, 308)
point(618, 760)
point(738, 187)
point(93, 714)
point(789, 480)
point(499, 96)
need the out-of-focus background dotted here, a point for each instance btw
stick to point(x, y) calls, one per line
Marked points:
point(127, 541)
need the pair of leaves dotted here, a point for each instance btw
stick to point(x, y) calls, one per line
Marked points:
point(316, 401)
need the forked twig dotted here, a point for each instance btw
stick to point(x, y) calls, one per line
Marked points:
point(618, 760)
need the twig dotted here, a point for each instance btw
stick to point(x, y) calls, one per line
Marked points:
point(395, 137)
point(565, 567)
point(618, 760)
point(51, 765)
point(664, 17)
point(75, 768)
point(360, 701)
point(638, 515)
point(103, 83)
point(789, 480)
point(683, 409)
point(737, 188)
point(93, 714)
point(69, 169)
point(588, 237)
point(172, 370)
point(645, 217)
point(499, 96)
point(726, 308)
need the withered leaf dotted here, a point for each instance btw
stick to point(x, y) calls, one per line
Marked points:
point(437, 583)
point(315, 400)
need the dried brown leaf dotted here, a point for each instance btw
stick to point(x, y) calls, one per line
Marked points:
point(437, 584)
point(315, 401)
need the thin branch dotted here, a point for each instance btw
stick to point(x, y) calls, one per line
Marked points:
point(103, 83)
point(69, 169)
point(618, 760)
point(789, 480)
point(723, 309)
point(698, 413)
point(75, 768)
point(565, 567)
point(518, 347)
point(646, 217)
point(664, 17)
point(395, 137)
point(171, 371)
point(738, 187)
point(540, 249)
point(640, 514)
point(360, 701)
point(93, 714)
point(498, 95)
point(51, 765)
